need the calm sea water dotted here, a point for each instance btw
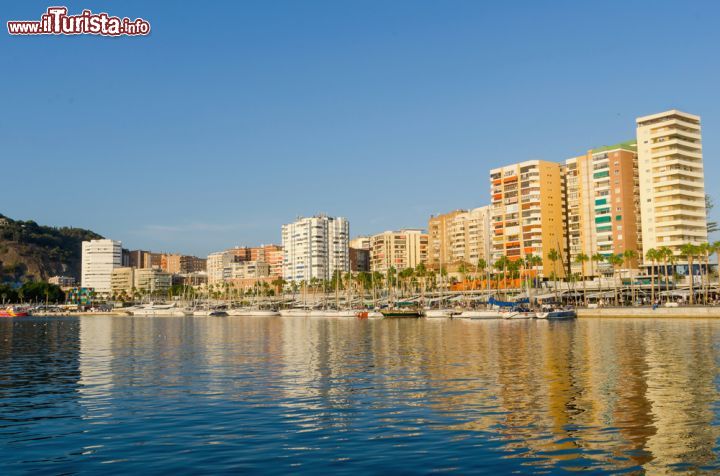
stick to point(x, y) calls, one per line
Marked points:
point(279, 395)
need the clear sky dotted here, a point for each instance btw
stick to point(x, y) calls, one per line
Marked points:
point(233, 118)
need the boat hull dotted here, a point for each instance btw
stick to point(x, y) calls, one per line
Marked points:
point(252, 313)
point(13, 314)
point(481, 315)
point(440, 313)
point(342, 313)
point(294, 312)
point(401, 314)
point(557, 315)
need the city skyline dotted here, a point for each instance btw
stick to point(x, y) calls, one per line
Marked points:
point(352, 111)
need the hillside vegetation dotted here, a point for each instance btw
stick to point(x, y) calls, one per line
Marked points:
point(32, 252)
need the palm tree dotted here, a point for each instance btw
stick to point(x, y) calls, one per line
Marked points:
point(716, 250)
point(554, 256)
point(501, 264)
point(581, 259)
point(279, 284)
point(667, 256)
point(463, 269)
point(481, 266)
point(595, 258)
point(652, 255)
point(615, 261)
point(689, 251)
point(533, 261)
point(628, 256)
point(705, 250)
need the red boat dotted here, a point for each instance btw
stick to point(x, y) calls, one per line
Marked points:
point(10, 312)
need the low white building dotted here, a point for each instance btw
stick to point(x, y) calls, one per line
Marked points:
point(315, 247)
point(99, 258)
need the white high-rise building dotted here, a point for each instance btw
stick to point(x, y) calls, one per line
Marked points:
point(99, 258)
point(672, 183)
point(315, 247)
point(219, 266)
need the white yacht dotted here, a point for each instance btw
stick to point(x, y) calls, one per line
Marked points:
point(481, 314)
point(252, 312)
point(295, 312)
point(152, 310)
point(441, 313)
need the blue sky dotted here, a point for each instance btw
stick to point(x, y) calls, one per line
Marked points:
point(233, 118)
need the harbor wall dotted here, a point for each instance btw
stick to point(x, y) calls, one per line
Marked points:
point(662, 312)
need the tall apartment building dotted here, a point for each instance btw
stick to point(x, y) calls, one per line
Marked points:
point(270, 254)
point(99, 258)
point(603, 205)
point(145, 259)
point(398, 249)
point(360, 254)
point(139, 259)
point(170, 263)
point(315, 247)
point(439, 239)
point(672, 185)
point(218, 266)
point(469, 235)
point(528, 213)
point(192, 264)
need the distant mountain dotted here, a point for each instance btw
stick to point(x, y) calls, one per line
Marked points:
point(29, 251)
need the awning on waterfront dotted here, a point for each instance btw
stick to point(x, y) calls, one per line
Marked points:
point(602, 295)
point(681, 293)
point(543, 297)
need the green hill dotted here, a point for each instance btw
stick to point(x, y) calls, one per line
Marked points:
point(29, 251)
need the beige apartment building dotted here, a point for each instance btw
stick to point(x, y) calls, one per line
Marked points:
point(152, 280)
point(439, 239)
point(469, 235)
point(170, 263)
point(527, 213)
point(672, 185)
point(147, 280)
point(122, 280)
point(398, 249)
point(603, 205)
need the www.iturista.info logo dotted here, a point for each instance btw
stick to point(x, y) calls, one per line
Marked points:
point(57, 22)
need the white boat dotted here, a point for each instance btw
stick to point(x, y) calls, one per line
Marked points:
point(486, 314)
point(295, 312)
point(252, 312)
point(340, 313)
point(441, 313)
point(514, 315)
point(368, 314)
point(209, 313)
point(559, 314)
point(317, 313)
point(152, 310)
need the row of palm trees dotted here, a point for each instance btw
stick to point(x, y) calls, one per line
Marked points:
point(688, 252)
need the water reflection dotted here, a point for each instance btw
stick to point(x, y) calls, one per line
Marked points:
point(283, 394)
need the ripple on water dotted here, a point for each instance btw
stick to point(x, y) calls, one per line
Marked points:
point(305, 395)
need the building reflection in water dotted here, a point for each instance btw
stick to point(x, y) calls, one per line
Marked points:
point(608, 394)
